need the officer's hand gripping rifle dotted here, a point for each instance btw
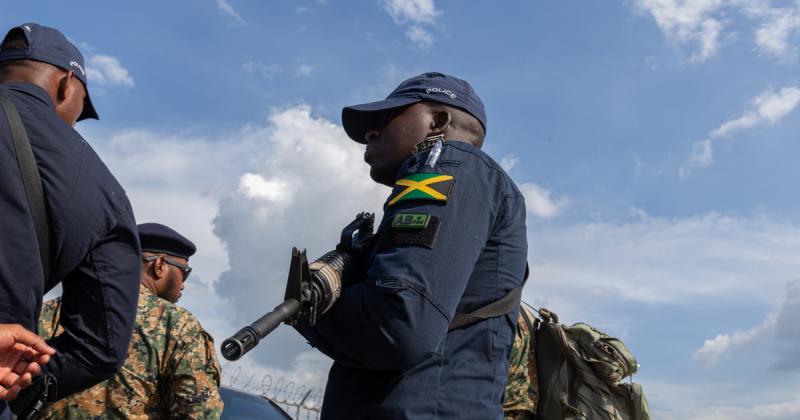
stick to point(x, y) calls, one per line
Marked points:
point(311, 288)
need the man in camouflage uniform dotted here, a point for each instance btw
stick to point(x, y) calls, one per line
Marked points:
point(522, 392)
point(171, 370)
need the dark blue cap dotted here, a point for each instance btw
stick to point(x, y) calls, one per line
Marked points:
point(50, 46)
point(160, 239)
point(427, 87)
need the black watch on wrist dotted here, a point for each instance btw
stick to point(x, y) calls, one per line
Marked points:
point(31, 401)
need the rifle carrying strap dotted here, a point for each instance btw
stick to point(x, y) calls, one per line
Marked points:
point(494, 309)
point(30, 179)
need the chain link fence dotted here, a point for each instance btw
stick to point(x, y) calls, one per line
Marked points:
point(298, 400)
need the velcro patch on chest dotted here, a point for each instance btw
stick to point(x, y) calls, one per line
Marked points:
point(422, 186)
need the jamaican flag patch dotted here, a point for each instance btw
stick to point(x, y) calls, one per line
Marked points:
point(422, 186)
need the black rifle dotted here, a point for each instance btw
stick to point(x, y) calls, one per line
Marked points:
point(311, 289)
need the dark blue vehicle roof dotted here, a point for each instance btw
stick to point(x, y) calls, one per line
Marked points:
point(243, 405)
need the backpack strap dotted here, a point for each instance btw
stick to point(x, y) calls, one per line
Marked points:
point(31, 180)
point(556, 337)
point(494, 309)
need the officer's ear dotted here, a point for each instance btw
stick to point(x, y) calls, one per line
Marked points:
point(160, 268)
point(69, 97)
point(440, 121)
point(64, 86)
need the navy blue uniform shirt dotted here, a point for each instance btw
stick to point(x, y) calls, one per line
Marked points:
point(388, 334)
point(95, 247)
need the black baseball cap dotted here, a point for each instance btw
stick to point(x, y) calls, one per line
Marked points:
point(50, 46)
point(161, 239)
point(427, 87)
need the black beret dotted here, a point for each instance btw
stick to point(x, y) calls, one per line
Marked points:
point(160, 239)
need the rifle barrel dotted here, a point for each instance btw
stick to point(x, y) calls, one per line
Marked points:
point(248, 337)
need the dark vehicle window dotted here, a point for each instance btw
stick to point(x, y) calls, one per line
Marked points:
point(241, 405)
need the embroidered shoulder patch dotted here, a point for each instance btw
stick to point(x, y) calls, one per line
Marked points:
point(414, 221)
point(422, 186)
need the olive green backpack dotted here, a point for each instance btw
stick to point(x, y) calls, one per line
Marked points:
point(580, 373)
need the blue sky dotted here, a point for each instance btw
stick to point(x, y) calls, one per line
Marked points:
point(655, 140)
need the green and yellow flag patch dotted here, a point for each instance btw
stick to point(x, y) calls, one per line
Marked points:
point(423, 186)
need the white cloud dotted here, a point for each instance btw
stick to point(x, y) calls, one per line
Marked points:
point(420, 37)
point(226, 8)
point(777, 25)
point(416, 13)
point(256, 187)
point(178, 179)
point(716, 347)
point(267, 71)
point(508, 162)
point(787, 334)
point(539, 202)
point(785, 410)
point(687, 22)
point(107, 71)
point(701, 24)
point(771, 107)
point(773, 36)
point(708, 38)
point(702, 156)
point(389, 76)
point(779, 330)
point(303, 70)
point(640, 279)
point(744, 122)
point(768, 108)
point(655, 260)
point(710, 400)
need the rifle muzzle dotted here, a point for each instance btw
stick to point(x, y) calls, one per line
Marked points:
point(245, 339)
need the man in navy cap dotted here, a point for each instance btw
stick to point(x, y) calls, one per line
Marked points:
point(426, 333)
point(80, 232)
point(171, 370)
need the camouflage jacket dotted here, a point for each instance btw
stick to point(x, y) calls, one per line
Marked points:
point(171, 370)
point(522, 387)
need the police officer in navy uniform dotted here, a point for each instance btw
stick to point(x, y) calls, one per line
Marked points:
point(452, 240)
point(94, 245)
